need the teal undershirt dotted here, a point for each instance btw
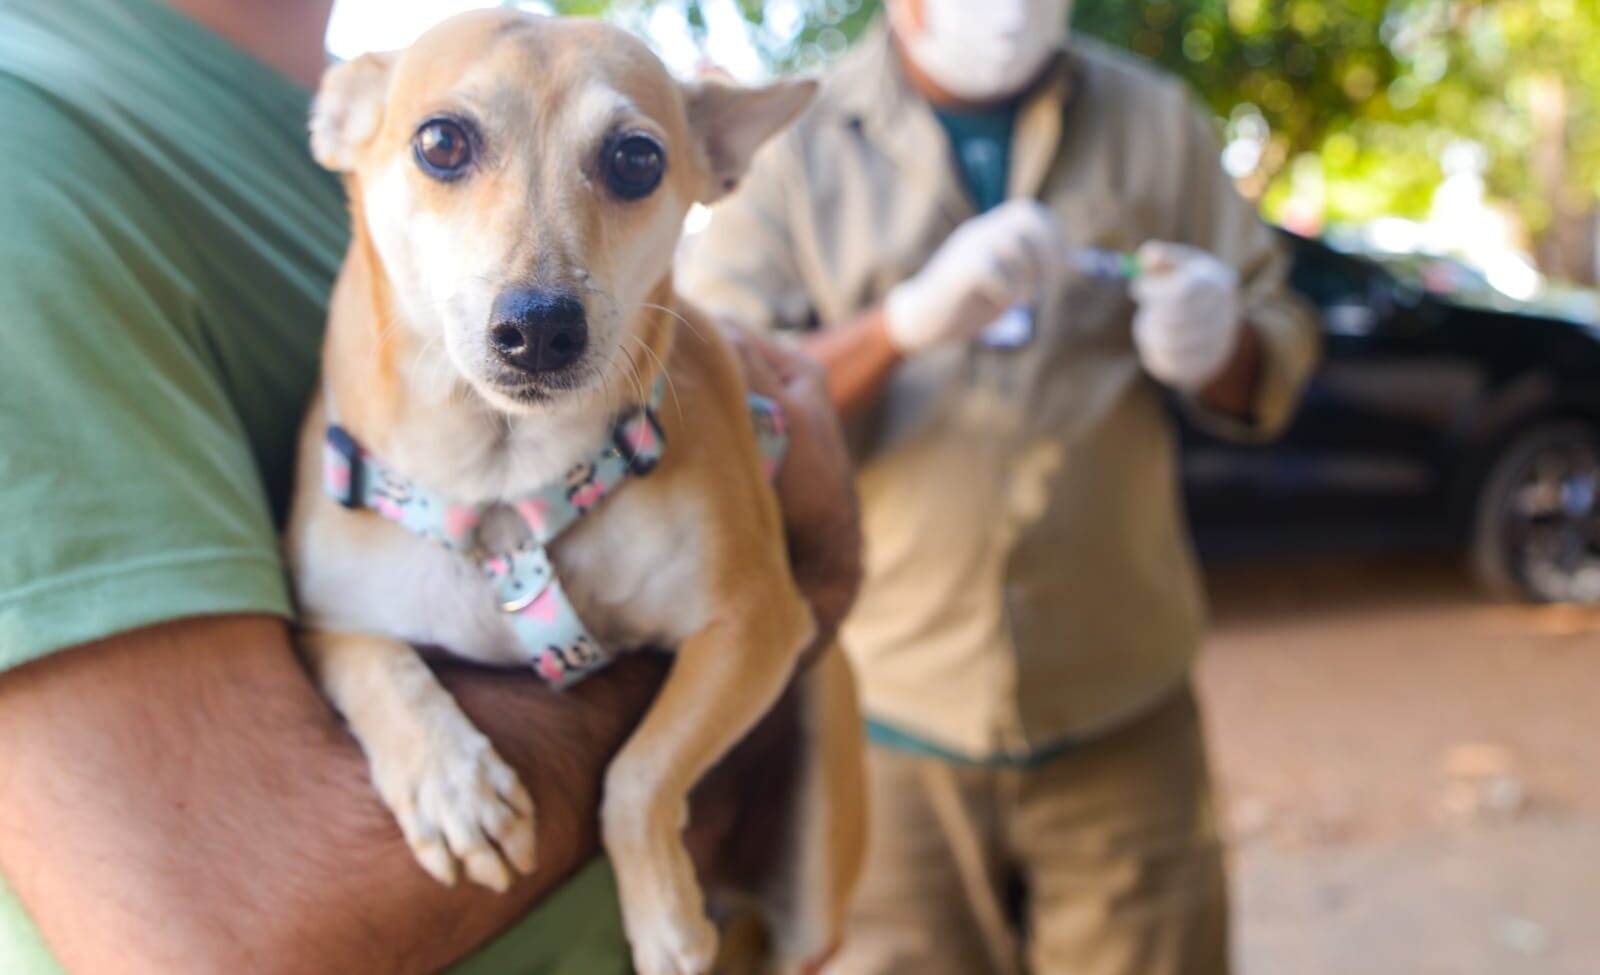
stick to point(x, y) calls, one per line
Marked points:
point(980, 144)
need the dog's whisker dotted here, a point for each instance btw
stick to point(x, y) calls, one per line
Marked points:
point(638, 382)
point(388, 330)
point(639, 371)
point(633, 365)
point(426, 347)
point(686, 323)
point(604, 374)
point(672, 387)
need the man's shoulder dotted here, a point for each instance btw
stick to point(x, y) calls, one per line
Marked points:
point(812, 143)
point(851, 79)
point(851, 88)
point(1137, 106)
point(61, 138)
point(1119, 75)
point(86, 98)
point(80, 197)
point(85, 235)
point(74, 199)
point(46, 79)
point(58, 96)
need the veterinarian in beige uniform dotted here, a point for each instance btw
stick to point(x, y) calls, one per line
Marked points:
point(1032, 605)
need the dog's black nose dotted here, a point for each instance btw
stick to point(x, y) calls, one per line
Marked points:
point(536, 330)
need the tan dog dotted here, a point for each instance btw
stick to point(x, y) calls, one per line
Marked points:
point(517, 185)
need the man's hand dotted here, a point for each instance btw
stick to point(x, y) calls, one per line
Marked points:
point(1008, 255)
point(816, 488)
point(1189, 318)
point(1011, 254)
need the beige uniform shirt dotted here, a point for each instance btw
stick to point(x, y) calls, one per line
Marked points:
point(1029, 575)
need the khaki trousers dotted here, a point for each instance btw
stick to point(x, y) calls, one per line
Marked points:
point(1104, 861)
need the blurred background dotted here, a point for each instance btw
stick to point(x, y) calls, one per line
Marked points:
point(1402, 675)
point(1400, 123)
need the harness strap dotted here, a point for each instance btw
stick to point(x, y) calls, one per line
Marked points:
point(556, 643)
point(558, 646)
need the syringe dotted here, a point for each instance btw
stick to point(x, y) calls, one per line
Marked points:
point(1014, 328)
point(1103, 263)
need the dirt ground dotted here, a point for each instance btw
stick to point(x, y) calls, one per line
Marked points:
point(1410, 776)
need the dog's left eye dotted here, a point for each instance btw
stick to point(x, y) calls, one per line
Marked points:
point(633, 165)
point(443, 148)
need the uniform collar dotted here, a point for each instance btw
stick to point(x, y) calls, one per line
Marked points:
point(874, 94)
point(1037, 140)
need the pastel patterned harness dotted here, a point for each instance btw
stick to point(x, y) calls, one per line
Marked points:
point(555, 641)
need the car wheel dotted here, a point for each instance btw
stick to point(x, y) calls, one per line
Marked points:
point(1537, 535)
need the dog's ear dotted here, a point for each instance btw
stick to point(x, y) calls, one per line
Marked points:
point(731, 123)
point(348, 109)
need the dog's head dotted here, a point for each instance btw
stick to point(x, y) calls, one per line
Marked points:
point(522, 181)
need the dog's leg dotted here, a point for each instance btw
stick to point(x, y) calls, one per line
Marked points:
point(723, 680)
point(455, 798)
point(806, 901)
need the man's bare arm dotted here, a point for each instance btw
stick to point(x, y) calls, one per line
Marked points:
point(859, 359)
point(1233, 391)
point(180, 799)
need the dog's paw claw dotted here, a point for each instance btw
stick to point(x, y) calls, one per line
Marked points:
point(435, 858)
point(484, 866)
point(517, 843)
point(462, 810)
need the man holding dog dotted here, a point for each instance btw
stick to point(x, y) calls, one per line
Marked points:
point(175, 797)
point(1031, 608)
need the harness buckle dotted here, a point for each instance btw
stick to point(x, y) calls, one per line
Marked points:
point(521, 602)
point(520, 577)
point(343, 447)
point(639, 439)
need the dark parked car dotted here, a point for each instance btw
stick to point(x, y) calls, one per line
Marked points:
point(1431, 423)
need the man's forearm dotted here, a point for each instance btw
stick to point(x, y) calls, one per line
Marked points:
point(247, 837)
point(186, 802)
point(1233, 391)
point(859, 358)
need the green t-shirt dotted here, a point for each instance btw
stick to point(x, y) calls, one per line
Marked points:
point(167, 253)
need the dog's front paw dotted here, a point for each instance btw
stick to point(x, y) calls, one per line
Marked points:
point(664, 945)
point(663, 909)
point(458, 802)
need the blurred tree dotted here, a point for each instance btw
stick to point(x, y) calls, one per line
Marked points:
point(789, 35)
point(1350, 108)
point(1309, 70)
point(1522, 77)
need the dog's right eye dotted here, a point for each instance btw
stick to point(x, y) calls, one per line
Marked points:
point(443, 148)
point(633, 165)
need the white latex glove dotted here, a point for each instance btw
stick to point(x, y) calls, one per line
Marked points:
point(1008, 255)
point(1189, 316)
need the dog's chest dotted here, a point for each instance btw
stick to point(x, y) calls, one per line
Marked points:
point(636, 571)
point(632, 569)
